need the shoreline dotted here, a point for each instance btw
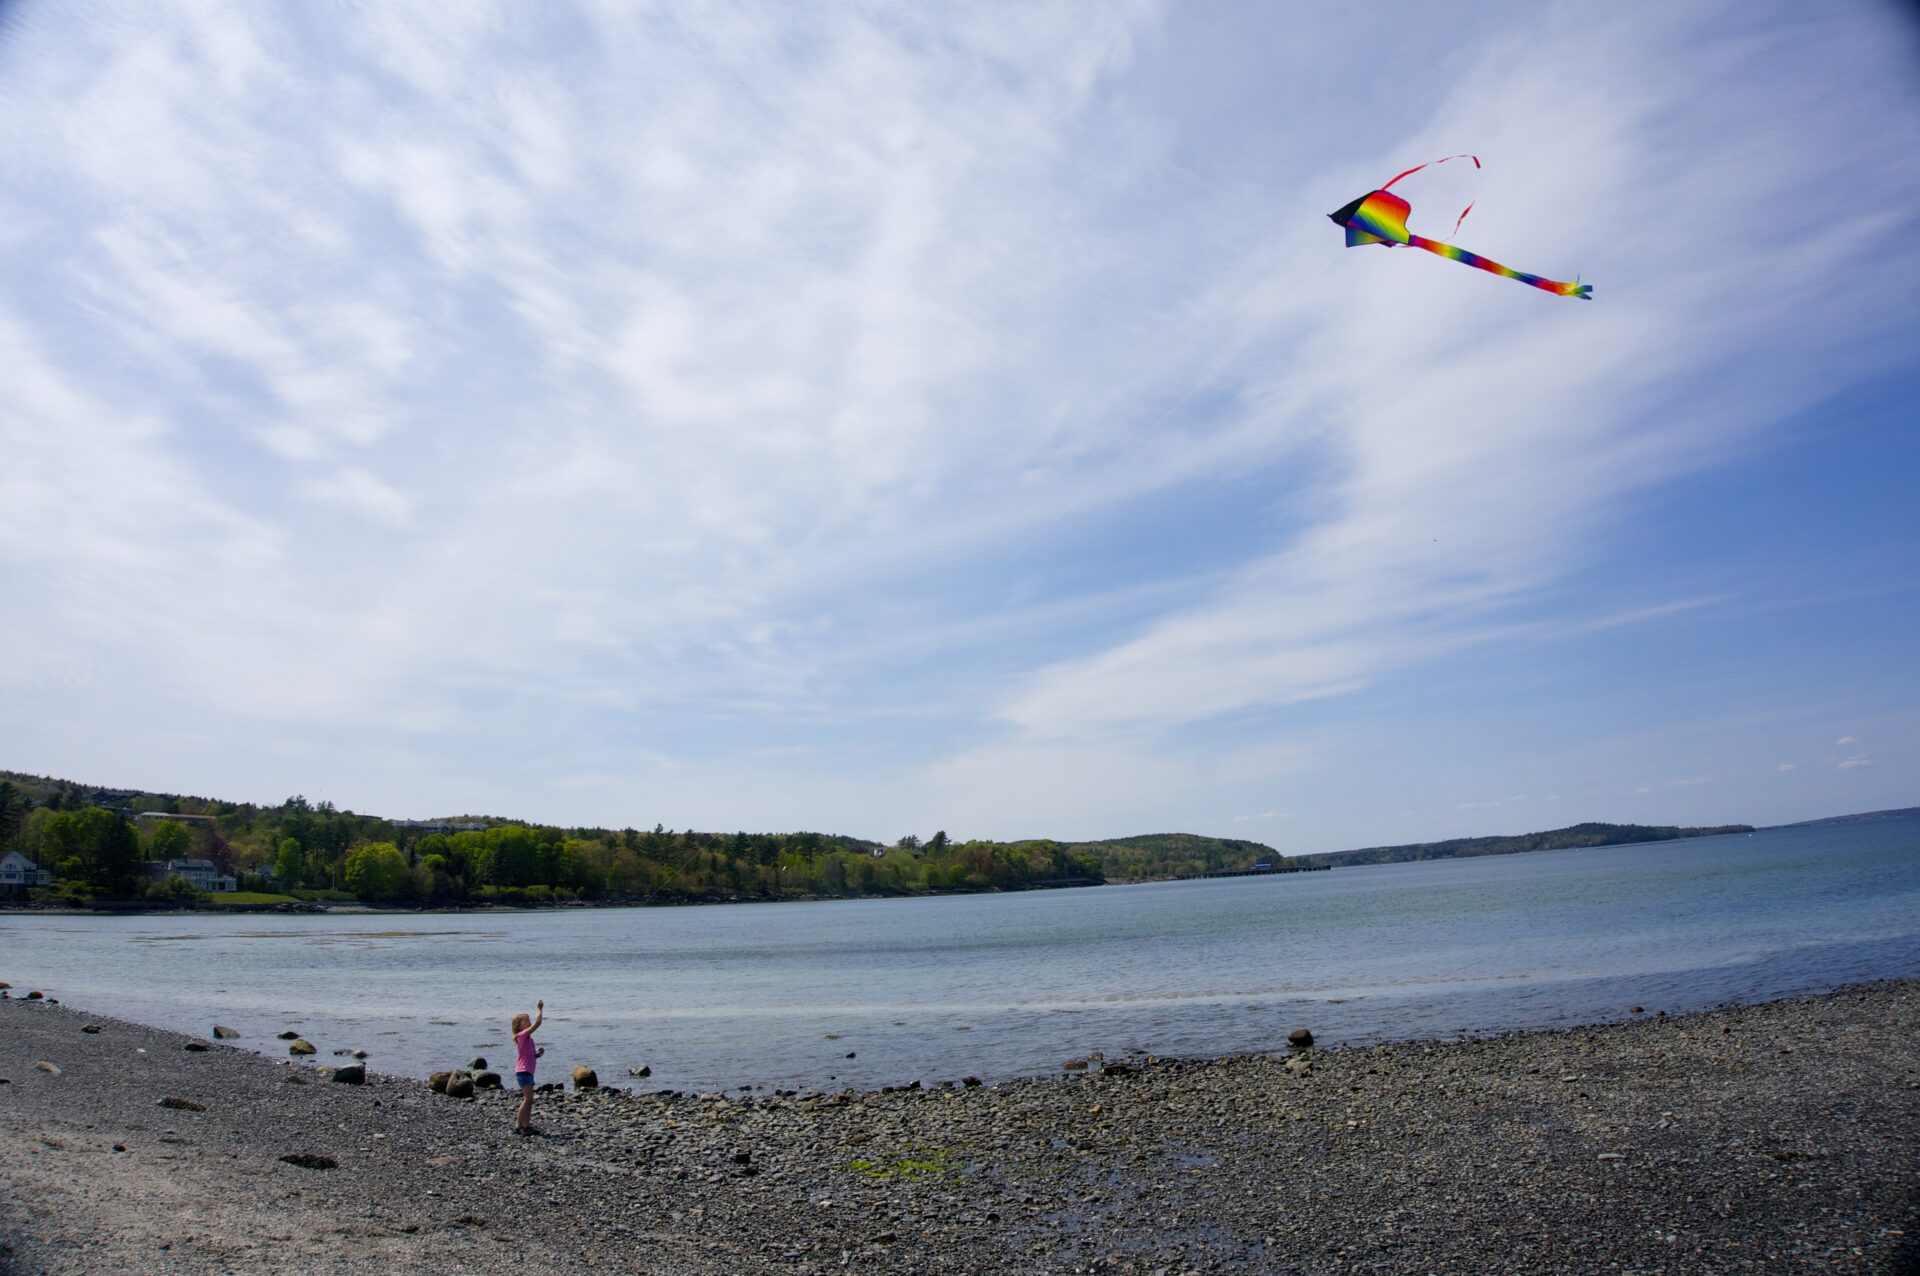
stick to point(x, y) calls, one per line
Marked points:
point(1778, 1136)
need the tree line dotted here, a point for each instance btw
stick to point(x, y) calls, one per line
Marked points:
point(95, 845)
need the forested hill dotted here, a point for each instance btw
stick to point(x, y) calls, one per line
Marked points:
point(1174, 854)
point(1553, 840)
point(95, 842)
point(1863, 817)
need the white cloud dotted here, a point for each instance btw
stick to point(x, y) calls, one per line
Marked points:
point(1788, 766)
point(1843, 740)
point(1858, 760)
point(703, 371)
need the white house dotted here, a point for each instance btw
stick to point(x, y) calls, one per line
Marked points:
point(16, 870)
point(199, 874)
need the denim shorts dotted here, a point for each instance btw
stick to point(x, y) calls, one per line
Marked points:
point(525, 1079)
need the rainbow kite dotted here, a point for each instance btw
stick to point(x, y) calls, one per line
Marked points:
point(1380, 218)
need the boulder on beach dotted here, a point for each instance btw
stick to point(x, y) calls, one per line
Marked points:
point(644, 1070)
point(288, 1035)
point(4, 984)
point(486, 1081)
point(35, 995)
point(91, 1029)
point(49, 1068)
point(195, 1047)
point(1300, 1037)
point(459, 1086)
point(223, 1033)
point(477, 1064)
point(183, 1105)
point(351, 1073)
point(1074, 1065)
point(584, 1078)
point(310, 1161)
point(437, 1081)
point(302, 1046)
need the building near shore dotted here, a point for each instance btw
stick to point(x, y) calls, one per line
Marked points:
point(17, 871)
point(202, 875)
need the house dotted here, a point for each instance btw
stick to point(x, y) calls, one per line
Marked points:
point(199, 874)
point(155, 816)
point(16, 870)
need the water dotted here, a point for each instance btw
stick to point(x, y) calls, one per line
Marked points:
point(1006, 985)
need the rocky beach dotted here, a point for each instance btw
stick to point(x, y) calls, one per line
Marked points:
point(1773, 1138)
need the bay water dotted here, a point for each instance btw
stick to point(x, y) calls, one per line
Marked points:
point(865, 993)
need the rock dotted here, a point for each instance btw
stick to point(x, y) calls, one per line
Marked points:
point(1299, 1067)
point(487, 1081)
point(851, 1053)
point(477, 1064)
point(223, 1033)
point(1075, 1065)
point(644, 1070)
point(294, 1078)
point(584, 1078)
point(969, 1082)
point(437, 1082)
point(44, 1066)
point(1636, 1010)
point(1300, 1038)
point(300, 1046)
point(91, 1029)
point(359, 1054)
point(1116, 1069)
point(351, 1074)
point(183, 1105)
point(289, 1035)
point(4, 984)
point(311, 1161)
point(459, 1086)
point(195, 1047)
point(34, 996)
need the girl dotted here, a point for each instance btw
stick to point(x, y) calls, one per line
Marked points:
point(523, 1030)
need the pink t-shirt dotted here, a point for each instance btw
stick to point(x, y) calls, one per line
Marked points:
point(525, 1042)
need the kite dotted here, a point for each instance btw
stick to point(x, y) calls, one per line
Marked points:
point(1380, 217)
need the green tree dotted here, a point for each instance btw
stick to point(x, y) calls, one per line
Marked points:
point(287, 863)
point(169, 841)
point(378, 871)
point(103, 841)
point(13, 810)
point(937, 844)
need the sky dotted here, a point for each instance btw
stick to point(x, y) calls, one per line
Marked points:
point(886, 418)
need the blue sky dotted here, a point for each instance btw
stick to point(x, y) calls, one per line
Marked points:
point(887, 418)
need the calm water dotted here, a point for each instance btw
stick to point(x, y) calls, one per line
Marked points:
point(1005, 985)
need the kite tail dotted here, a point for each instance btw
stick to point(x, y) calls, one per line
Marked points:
point(1465, 258)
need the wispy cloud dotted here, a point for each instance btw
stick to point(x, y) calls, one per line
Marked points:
point(943, 404)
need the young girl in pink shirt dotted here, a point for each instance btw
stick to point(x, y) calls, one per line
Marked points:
point(527, 1052)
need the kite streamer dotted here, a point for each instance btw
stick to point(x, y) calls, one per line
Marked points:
point(1380, 217)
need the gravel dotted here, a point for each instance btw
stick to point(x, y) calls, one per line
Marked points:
point(1773, 1138)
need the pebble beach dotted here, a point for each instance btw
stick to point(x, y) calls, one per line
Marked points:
point(1782, 1137)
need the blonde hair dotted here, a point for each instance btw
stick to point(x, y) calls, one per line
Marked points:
point(520, 1021)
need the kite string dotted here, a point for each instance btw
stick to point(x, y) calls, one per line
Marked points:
point(1463, 212)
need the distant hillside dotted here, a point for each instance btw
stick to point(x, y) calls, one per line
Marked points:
point(1555, 840)
point(1864, 817)
point(1173, 854)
